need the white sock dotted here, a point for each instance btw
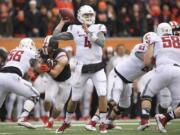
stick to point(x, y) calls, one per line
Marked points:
point(108, 121)
point(96, 118)
point(102, 117)
point(51, 119)
point(24, 114)
point(68, 117)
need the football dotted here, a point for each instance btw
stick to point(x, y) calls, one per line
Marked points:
point(66, 13)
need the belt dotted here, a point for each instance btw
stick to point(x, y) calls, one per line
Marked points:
point(176, 65)
point(14, 70)
point(122, 77)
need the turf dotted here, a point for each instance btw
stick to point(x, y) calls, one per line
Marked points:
point(129, 128)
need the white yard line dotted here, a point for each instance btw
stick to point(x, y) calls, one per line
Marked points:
point(7, 133)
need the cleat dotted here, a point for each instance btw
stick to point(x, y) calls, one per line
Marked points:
point(63, 127)
point(25, 123)
point(49, 124)
point(91, 126)
point(161, 122)
point(112, 126)
point(143, 125)
point(102, 128)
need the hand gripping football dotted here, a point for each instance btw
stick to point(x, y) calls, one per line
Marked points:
point(66, 14)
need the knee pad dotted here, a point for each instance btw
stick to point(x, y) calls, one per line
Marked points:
point(29, 105)
point(146, 98)
point(111, 104)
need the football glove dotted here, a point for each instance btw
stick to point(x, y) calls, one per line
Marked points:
point(51, 63)
point(45, 68)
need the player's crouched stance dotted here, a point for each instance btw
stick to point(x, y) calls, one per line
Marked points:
point(19, 61)
point(167, 75)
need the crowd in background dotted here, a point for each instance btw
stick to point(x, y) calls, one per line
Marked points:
point(123, 18)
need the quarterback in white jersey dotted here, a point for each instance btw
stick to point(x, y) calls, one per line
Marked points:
point(89, 38)
point(167, 54)
point(84, 46)
point(18, 62)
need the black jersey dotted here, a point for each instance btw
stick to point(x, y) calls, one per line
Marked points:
point(66, 73)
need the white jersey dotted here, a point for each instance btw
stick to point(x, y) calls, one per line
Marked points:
point(167, 50)
point(132, 67)
point(20, 58)
point(87, 52)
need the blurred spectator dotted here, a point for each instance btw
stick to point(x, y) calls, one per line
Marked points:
point(10, 7)
point(44, 21)
point(175, 14)
point(20, 4)
point(76, 4)
point(122, 18)
point(120, 55)
point(53, 20)
point(33, 19)
point(49, 4)
point(6, 25)
point(123, 22)
point(165, 16)
point(112, 23)
point(108, 53)
point(20, 27)
point(106, 15)
point(136, 28)
point(153, 15)
point(64, 4)
point(92, 3)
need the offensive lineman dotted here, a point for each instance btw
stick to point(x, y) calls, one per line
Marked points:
point(119, 90)
point(18, 62)
point(167, 74)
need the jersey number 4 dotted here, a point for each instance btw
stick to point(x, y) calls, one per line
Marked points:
point(171, 41)
point(87, 43)
point(15, 55)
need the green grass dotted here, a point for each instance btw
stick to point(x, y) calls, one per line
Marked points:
point(129, 128)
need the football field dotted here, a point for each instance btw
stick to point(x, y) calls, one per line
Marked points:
point(129, 128)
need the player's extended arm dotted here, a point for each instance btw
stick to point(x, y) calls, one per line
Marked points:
point(140, 55)
point(99, 39)
point(62, 62)
point(57, 34)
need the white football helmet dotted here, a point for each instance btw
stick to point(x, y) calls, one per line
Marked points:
point(27, 43)
point(164, 29)
point(86, 14)
point(147, 38)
